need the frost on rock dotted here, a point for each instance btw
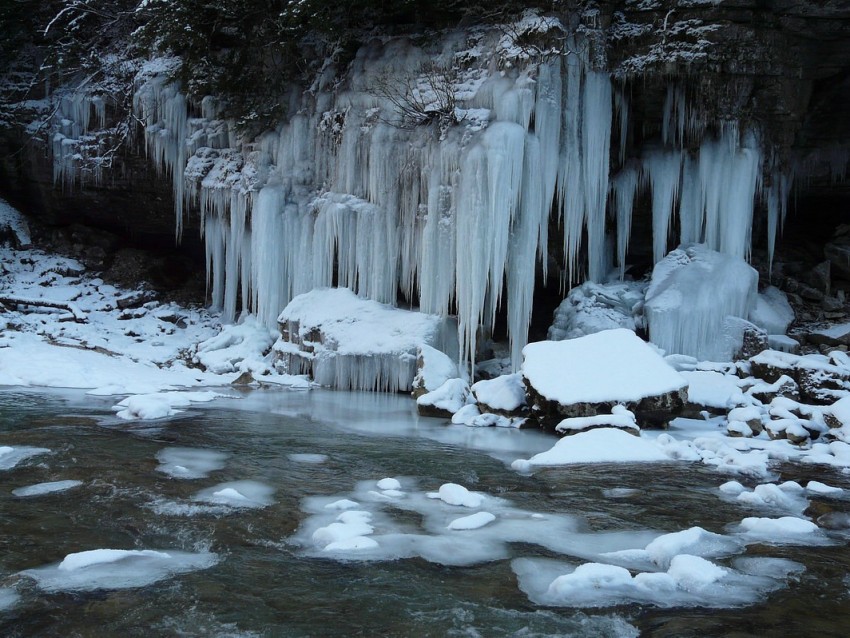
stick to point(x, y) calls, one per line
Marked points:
point(347, 342)
point(591, 308)
point(590, 375)
point(693, 291)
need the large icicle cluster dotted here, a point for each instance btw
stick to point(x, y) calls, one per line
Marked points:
point(453, 214)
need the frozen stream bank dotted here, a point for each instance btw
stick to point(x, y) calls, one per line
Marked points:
point(250, 518)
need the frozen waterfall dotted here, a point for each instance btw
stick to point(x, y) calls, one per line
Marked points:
point(452, 212)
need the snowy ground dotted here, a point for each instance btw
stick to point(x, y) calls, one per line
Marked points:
point(108, 341)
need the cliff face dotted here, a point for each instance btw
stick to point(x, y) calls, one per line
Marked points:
point(692, 120)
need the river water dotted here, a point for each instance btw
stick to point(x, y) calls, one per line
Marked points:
point(302, 450)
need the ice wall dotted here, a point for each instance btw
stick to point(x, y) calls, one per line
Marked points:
point(447, 202)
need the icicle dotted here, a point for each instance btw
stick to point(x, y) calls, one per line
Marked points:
point(524, 239)
point(570, 184)
point(662, 171)
point(624, 189)
point(547, 127)
point(621, 110)
point(596, 144)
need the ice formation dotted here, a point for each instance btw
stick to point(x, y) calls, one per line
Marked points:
point(454, 217)
point(693, 291)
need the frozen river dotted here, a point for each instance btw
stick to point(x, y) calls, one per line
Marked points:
point(271, 515)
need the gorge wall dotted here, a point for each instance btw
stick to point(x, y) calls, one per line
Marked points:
point(457, 170)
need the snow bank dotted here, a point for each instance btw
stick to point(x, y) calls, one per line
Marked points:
point(237, 348)
point(611, 366)
point(692, 292)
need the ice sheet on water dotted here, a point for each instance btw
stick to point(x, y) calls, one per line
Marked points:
point(444, 536)
point(10, 456)
point(690, 581)
point(308, 458)
point(473, 521)
point(189, 463)
point(780, 531)
point(117, 569)
point(238, 494)
point(8, 598)
point(45, 488)
point(160, 405)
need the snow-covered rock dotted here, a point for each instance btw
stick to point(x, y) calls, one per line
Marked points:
point(433, 369)
point(620, 417)
point(590, 375)
point(347, 342)
point(502, 395)
point(692, 292)
point(445, 401)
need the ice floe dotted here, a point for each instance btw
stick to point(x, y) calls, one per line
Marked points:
point(46, 488)
point(117, 569)
point(189, 463)
point(238, 494)
point(10, 456)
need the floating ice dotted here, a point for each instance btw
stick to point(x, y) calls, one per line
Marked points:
point(786, 529)
point(117, 569)
point(11, 456)
point(8, 598)
point(690, 581)
point(455, 494)
point(816, 487)
point(473, 521)
point(732, 487)
point(389, 484)
point(309, 458)
point(45, 488)
point(160, 405)
point(239, 494)
point(189, 463)
point(350, 526)
point(342, 504)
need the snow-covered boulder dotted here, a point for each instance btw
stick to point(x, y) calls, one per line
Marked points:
point(593, 307)
point(433, 369)
point(692, 292)
point(347, 342)
point(503, 395)
point(590, 375)
point(820, 379)
point(445, 401)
